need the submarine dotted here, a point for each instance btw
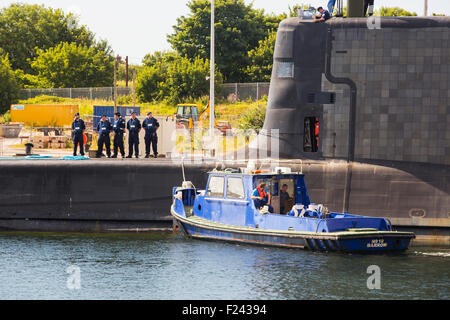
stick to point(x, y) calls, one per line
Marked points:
point(361, 106)
point(372, 97)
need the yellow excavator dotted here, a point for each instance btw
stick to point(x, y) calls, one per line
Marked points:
point(188, 117)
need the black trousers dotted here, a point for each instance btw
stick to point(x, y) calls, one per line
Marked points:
point(118, 144)
point(367, 3)
point(153, 140)
point(78, 140)
point(104, 139)
point(133, 142)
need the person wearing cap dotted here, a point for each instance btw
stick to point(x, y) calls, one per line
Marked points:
point(78, 128)
point(151, 126)
point(134, 127)
point(119, 131)
point(104, 128)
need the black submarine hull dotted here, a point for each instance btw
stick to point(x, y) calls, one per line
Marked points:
point(135, 196)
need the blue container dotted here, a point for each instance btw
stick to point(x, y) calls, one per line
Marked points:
point(99, 111)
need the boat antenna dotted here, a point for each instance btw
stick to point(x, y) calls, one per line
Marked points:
point(182, 168)
point(186, 184)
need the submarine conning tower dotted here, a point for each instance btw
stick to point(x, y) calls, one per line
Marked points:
point(377, 89)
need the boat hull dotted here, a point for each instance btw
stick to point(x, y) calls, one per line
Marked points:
point(367, 242)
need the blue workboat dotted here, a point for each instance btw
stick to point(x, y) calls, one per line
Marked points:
point(227, 210)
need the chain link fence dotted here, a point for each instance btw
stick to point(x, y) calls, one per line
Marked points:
point(229, 91)
point(106, 93)
point(244, 91)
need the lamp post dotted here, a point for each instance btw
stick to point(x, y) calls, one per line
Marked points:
point(211, 78)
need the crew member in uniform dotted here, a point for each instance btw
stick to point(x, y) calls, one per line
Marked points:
point(119, 131)
point(323, 16)
point(78, 128)
point(151, 126)
point(104, 128)
point(134, 127)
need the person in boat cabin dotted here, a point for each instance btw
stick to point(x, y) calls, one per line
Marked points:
point(284, 198)
point(261, 197)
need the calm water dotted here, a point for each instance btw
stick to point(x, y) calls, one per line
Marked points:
point(33, 266)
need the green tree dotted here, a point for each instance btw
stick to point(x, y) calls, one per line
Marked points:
point(71, 65)
point(9, 88)
point(23, 28)
point(238, 28)
point(30, 81)
point(150, 85)
point(261, 60)
point(160, 57)
point(190, 79)
point(393, 12)
point(175, 79)
point(254, 118)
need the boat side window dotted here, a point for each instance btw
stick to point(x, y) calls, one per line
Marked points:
point(215, 187)
point(235, 188)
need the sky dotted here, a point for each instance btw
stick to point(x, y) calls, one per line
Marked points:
point(136, 27)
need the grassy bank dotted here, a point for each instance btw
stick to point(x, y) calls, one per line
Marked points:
point(229, 111)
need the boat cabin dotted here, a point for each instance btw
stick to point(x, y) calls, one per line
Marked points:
point(231, 187)
point(227, 199)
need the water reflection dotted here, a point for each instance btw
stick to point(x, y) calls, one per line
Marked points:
point(33, 266)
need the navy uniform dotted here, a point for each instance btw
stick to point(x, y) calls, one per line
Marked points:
point(151, 136)
point(104, 128)
point(119, 130)
point(78, 128)
point(133, 126)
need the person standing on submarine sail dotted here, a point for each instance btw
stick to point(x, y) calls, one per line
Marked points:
point(323, 16)
point(78, 128)
point(368, 7)
point(331, 4)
